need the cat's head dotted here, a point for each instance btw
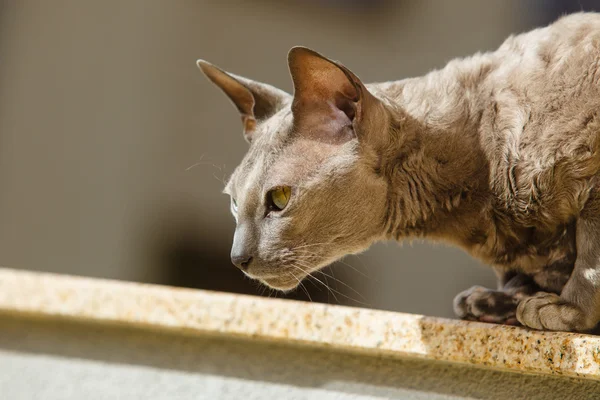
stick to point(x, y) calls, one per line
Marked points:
point(309, 190)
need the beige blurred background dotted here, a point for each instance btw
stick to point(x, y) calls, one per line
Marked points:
point(114, 148)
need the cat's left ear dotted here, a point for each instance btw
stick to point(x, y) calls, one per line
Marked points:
point(254, 100)
point(330, 102)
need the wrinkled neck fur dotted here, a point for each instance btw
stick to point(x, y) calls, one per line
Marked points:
point(433, 162)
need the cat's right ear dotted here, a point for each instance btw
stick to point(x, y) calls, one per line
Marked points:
point(254, 100)
point(330, 102)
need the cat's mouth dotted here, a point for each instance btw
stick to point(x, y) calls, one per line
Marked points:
point(284, 275)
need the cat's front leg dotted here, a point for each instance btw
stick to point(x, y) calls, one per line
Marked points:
point(578, 306)
point(497, 306)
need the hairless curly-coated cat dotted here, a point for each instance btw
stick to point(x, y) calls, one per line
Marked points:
point(498, 153)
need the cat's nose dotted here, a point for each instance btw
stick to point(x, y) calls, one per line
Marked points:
point(242, 247)
point(242, 261)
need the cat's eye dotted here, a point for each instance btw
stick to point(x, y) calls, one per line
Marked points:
point(278, 198)
point(234, 205)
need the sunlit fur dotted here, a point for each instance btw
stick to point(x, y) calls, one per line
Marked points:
point(320, 224)
point(497, 153)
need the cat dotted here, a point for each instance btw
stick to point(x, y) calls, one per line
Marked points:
point(497, 153)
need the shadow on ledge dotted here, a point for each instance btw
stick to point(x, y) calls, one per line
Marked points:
point(67, 360)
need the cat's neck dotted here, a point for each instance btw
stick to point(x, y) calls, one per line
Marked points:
point(436, 169)
point(442, 99)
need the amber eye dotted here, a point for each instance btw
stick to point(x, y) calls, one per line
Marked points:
point(278, 198)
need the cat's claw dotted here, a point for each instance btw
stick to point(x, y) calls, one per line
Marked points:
point(550, 312)
point(486, 305)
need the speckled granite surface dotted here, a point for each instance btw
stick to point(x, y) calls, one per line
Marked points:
point(350, 329)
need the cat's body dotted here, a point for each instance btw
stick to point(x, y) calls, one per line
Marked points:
point(497, 153)
point(528, 115)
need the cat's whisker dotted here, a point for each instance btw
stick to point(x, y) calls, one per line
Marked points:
point(340, 293)
point(299, 262)
point(335, 280)
point(333, 291)
point(265, 289)
point(353, 268)
point(315, 256)
point(313, 283)
point(360, 260)
point(343, 284)
point(309, 245)
point(222, 180)
point(308, 275)
point(201, 162)
point(220, 168)
point(302, 286)
point(304, 257)
point(304, 254)
point(299, 266)
point(197, 163)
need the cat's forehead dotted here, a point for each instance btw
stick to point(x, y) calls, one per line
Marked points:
point(280, 156)
point(271, 139)
point(272, 133)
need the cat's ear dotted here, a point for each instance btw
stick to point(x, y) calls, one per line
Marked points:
point(329, 100)
point(254, 100)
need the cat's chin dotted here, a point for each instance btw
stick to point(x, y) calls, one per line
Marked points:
point(283, 284)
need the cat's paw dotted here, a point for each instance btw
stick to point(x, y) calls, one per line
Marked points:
point(486, 305)
point(549, 311)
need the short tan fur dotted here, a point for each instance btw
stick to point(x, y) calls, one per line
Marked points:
point(497, 153)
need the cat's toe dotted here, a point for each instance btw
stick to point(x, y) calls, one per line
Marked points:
point(485, 305)
point(550, 312)
point(461, 303)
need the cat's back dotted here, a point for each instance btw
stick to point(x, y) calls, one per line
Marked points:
point(549, 68)
point(541, 126)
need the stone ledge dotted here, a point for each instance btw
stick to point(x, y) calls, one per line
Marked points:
point(371, 332)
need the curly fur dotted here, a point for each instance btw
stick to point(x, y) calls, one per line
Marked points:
point(497, 153)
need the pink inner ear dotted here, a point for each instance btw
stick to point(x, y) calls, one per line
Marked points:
point(326, 97)
point(325, 121)
point(347, 106)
